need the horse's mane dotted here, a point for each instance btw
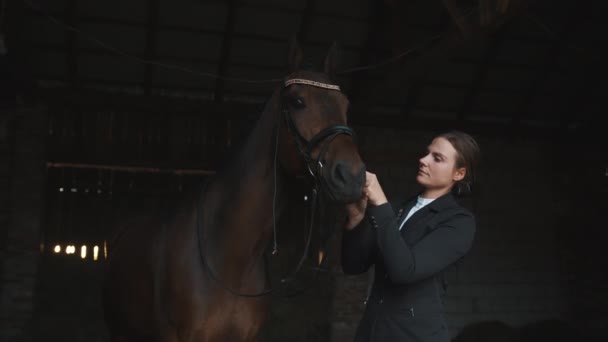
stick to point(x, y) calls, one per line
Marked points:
point(241, 155)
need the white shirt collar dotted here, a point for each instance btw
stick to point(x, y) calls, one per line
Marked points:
point(421, 202)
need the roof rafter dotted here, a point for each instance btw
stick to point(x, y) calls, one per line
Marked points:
point(481, 71)
point(414, 88)
point(150, 49)
point(377, 14)
point(71, 48)
point(550, 59)
point(223, 65)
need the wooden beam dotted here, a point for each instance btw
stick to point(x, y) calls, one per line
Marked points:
point(179, 60)
point(478, 128)
point(151, 39)
point(207, 31)
point(222, 69)
point(377, 17)
point(550, 59)
point(305, 21)
point(85, 99)
point(130, 168)
point(82, 100)
point(72, 42)
point(460, 20)
point(434, 49)
point(419, 78)
point(481, 73)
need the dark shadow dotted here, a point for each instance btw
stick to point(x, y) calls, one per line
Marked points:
point(494, 331)
point(549, 330)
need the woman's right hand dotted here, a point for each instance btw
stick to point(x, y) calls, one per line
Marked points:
point(355, 213)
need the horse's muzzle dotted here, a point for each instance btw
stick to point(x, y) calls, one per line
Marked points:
point(344, 182)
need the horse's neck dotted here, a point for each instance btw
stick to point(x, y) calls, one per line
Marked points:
point(243, 215)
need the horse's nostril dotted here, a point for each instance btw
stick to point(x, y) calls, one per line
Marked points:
point(340, 173)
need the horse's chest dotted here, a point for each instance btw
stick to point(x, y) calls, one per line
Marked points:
point(234, 320)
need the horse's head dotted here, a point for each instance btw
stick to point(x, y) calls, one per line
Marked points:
point(314, 117)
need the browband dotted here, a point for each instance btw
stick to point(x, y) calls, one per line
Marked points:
point(312, 83)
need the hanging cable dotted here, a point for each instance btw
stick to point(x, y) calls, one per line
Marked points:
point(179, 68)
point(141, 60)
point(183, 69)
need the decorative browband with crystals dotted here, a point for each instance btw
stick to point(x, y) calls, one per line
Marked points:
point(311, 83)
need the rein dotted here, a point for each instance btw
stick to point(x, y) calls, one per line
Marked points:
point(315, 168)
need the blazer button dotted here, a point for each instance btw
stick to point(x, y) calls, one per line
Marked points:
point(381, 301)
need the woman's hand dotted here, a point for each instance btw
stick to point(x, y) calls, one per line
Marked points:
point(372, 195)
point(373, 190)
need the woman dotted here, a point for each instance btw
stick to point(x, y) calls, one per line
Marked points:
point(411, 243)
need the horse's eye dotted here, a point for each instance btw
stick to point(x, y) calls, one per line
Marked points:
point(296, 102)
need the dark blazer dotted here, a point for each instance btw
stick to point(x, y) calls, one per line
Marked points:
point(405, 303)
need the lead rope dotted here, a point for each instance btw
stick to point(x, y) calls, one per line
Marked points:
point(312, 214)
point(275, 246)
point(308, 239)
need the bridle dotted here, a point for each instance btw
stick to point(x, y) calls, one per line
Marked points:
point(327, 135)
point(315, 168)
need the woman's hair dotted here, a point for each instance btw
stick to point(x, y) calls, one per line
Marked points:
point(468, 157)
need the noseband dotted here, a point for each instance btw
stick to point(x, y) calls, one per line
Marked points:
point(325, 136)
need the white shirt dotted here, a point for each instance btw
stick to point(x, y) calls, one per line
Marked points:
point(420, 203)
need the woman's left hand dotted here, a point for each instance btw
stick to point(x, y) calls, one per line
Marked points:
point(373, 190)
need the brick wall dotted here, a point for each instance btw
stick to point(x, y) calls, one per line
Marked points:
point(514, 272)
point(21, 229)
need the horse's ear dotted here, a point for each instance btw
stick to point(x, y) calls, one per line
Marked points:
point(332, 60)
point(294, 55)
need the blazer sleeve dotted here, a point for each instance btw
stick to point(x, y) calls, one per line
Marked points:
point(358, 248)
point(448, 242)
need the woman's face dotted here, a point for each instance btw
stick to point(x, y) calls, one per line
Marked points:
point(437, 168)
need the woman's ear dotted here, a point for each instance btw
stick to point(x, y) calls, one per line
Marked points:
point(459, 174)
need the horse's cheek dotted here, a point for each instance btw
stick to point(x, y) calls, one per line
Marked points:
point(291, 162)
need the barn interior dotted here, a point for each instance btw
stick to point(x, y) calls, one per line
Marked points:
point(112, 107)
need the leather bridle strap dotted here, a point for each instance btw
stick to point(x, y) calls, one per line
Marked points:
point(290, 81)
point(327, 135)
point(305, 148)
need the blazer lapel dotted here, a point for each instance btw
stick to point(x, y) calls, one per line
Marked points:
point(405, 209)
point(416, 223)
point(414, 227)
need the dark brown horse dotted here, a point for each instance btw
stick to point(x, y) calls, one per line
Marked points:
point(196, 277)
